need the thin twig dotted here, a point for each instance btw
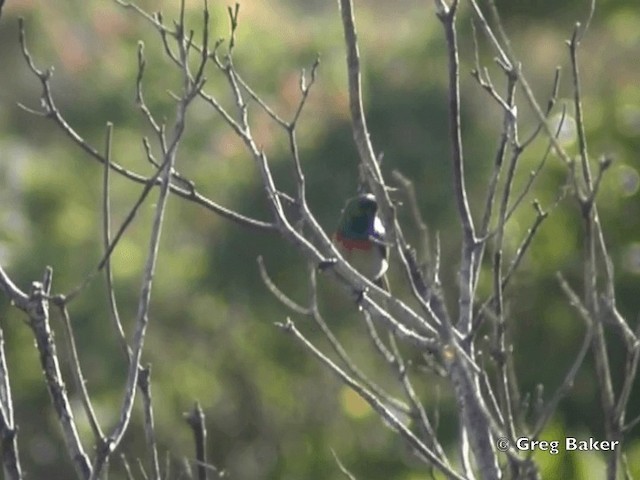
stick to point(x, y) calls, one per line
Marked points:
point(76, 369)
point(121, 230)
point(356, 107)
point(571, 374)
point(8, 429)
point(577, 100)
point(38, 311)
point(144, 382)
point(190, 90)
point(342, 468)
point(420, 413)
point(16, 296)
point(195, 419)
point(475, 419)
point(534, 174)
point(279, 294)
point(469, 243)
point(342, 353)
point(106, 238)
point(373, 401)
point(50, 111)
point(379, 345)
point(127, 467)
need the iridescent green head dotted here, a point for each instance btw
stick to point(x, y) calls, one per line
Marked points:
point(358, 217)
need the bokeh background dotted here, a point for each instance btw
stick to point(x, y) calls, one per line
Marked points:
point(272, 411)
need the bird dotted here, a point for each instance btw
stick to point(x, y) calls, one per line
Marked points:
point(360, 238)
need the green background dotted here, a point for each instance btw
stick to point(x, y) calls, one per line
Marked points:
point(273, 412)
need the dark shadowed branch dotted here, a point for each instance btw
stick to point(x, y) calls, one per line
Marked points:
point(8, 431)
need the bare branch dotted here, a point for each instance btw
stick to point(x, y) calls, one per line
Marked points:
point(550, 104)
point(279, 294)
point(469, 243)
point(503, 57)
point(8, 429)
point(420, 223)
point(358, 120)
point(379, 345)
point(571, 374)
point(76, 369)
point(342, 468)
point(16, 296)
point(190, 90)
point(144, 382)
point(342, 353)
point(127, 467)
point(111, 247)
point(305, 88)
point(195, 419)
point(630, 376)
point(38, 311)
point(448, 22)
point(632, 424)
point(106, 238)
point(428, 432)
point(534, 174)
point(51, 112)
point(373, 401)
point(577, 93)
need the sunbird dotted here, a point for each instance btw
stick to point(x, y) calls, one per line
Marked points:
point(360, 238)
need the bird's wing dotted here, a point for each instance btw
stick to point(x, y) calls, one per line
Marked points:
point(378, 237)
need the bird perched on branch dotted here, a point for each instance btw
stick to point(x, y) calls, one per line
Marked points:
point(360, 238)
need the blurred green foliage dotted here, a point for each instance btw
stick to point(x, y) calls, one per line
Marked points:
point(272, 411)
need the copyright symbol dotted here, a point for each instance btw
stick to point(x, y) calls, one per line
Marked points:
point(502, 444)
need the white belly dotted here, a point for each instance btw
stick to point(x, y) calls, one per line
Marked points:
point(368, 263)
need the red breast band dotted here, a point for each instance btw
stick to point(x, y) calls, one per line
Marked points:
point(353, 244)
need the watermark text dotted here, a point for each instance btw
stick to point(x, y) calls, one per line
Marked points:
point(553, 447)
